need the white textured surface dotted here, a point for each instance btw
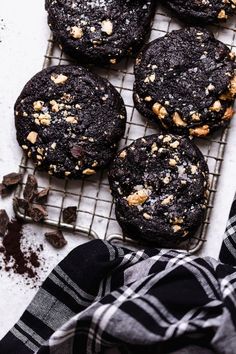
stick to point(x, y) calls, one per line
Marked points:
point(23, 45)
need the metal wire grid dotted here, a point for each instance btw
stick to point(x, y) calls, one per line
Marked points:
point(95, 207)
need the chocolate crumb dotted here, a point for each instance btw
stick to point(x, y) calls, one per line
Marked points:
point(69, 214)
point(4, 221)
point(12, 179)
point(56, 238)
point(37, 212)
point(31, 188)
point(21, 261)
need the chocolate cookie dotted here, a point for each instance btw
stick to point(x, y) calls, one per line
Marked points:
point(69, 121)
point(186, 82)
point(100, 31)
point(159, 184)
point(206, 11)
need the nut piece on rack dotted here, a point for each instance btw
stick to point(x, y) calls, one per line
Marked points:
point(56, 238)
point(69, 214)
point(4, 221)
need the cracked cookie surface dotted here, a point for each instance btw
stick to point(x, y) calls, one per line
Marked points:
point(101, 31)
point(69, 121)
point(207, 11)
point(186, 82)
point(159, 184)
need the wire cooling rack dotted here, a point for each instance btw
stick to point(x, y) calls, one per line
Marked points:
point(91, 196)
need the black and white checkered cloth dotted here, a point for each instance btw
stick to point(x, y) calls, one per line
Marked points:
point(151, 301)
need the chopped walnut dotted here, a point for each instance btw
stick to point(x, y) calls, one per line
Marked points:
point(232, 86)
point(71, 119)
point(38, 105)
point(76, 32)
point(167, 200)
point(150, 78)
point(222, 14)
point(53, 146)
point(193, 169)
point(167, 139)
point(216, 107)
point(172, 162)
point(178, 120)
point(123, 154)
point(200, 131)
point(196, 116)
point(107, 27)
point(55, 106)
point(177, 220)
point(112, 61)
point(138, 198)
point(59, 79)
point(175, 144)
point(147, 216)
point(228, 113)
point(32, 137)
point(154, 148)
point(176, 228)
point(159, 110)
point(88, 171)
point(44, 119)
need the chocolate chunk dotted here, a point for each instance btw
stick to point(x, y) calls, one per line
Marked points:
point(12, 179)
point(4, 221)
point(37, 212)
point(3, 190)
point(56, 238)
point(42, 195)
point(20, 203)
point(69, 214)
point(30, 190)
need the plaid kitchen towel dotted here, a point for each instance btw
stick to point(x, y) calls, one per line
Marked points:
point(228, 249)
point(151, 301)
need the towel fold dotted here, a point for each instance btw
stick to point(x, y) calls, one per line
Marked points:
point(149, 301)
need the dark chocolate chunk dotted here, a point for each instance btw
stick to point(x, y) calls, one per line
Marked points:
point(21, 203)
point(4, 221)
point(100, 31)
point(69, 214)
point(12, 179)
point(37, 212)
point(31, 188)
point(42, 196)
point(56, 238)
point(159, 184)
point(4, 191)
point(186, 82)
point(69, 109)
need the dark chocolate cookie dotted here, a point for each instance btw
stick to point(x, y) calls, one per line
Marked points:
point(69, 121)
point(100, 31)
point(159, 184)
point(186, 81)
point(206, 11)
